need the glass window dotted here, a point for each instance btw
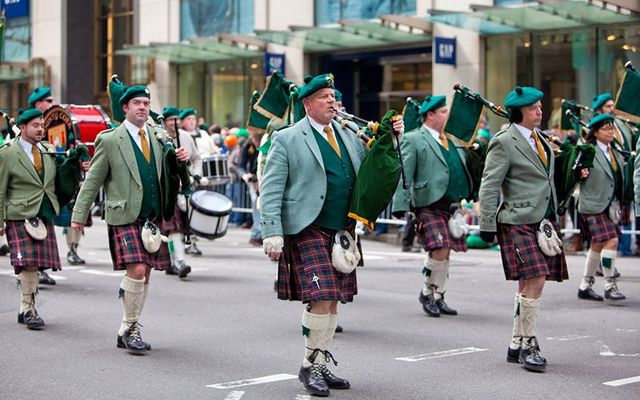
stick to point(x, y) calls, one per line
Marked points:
point(201, 18)
point(331, 11)
point(510, 2)
point(17, 40)
point(615, 48)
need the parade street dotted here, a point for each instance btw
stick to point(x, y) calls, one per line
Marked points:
point(222, 334)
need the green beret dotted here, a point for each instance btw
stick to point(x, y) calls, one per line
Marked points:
point(133, 92)
point(187, 112)
point(338, 95)
point(599, 120)
point(38, 94)
point(522, 96)
point(600, 99)
point(27, 115)
point(243, 132)
point(432, 103)
point(170, 111)
point(313, 84)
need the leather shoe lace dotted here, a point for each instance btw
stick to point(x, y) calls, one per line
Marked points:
point(333, 381)
point(613, 293)
point(133, 340)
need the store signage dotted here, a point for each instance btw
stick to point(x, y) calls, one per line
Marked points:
point(273, 62)
point(15, 8)
point(445, 50)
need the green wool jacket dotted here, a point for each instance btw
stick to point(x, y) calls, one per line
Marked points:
point(114, 166)
point(426, 171)
point(22, 191)
point(294, 185)
point(597, 191)
point(636, 179)
point(514, 170)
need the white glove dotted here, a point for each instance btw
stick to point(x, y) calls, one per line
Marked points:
point(272, 244)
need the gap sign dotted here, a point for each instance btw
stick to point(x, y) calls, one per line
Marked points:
point(273, 62)
point(445, 50)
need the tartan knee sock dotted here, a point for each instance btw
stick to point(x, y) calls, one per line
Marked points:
point(28, 281)
point(314, 327)
point(132, 293)
point(590, 266)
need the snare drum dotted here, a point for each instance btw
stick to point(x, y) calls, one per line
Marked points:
point(216, 169)
point(88, 122)
point(209, 214)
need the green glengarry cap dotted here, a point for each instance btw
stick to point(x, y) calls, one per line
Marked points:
point(432, 103)
point(187, 112)
point(313, 84)
point(133, 92)
point(600, 99)
point(338, 95)
point(27, 115)
point(522, 96)
point(38, 94)
point(599, 120)
point(170, 111)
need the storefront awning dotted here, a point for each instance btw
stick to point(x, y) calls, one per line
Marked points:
point(536, 16)
point(195, 50)
point(349, 34)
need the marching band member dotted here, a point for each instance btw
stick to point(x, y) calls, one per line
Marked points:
point(599, 207)
point(201, 137)
point(128, 162)
point(177, 226)
point(437, 170)
point(318, 150)
point(520, 167)
point(28, 203)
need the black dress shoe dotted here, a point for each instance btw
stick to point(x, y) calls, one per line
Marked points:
point(31, 319)
point(120, 343)
point(4, 250)
point(429, 305)
point(45, 279)
point(339, 329)
point(589, 294)
point(333, 381)
point(172, 270)
point(613, 293)
point(313, 380)
point(193, 250)
point(531, 359)
point(184, 269)
point(444, 308)
point(513, 355)
point(73, 258)
point(133, 341)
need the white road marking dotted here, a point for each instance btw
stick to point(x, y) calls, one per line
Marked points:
point(234, 395)
point(102, 273)
point(441, 354)
point(625, 381)
point(253, 381)
point(303, 397)
point(58, 277)
point(73, 268)
point(606, 352)
point(568, 337)
point(626, 330)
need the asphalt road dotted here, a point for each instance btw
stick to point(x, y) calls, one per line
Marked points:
point(216, 333)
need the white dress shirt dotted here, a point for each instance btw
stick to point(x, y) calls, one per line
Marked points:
point(319, 127)
point(526, 133)
point(27, 147)
point(605, 149)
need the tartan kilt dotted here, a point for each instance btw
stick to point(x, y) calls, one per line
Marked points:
point(522, 257)
point(27, 252)
point(598, 227)
point(433, 229)
point(309, 256)
point(125, 244)
point(177, 223)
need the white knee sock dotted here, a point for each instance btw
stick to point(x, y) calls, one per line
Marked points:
point(132, 293)
point(329, 332)
point(28, 289)
point(516, 337)
point(608, 261)
point(529, 309)
point(590, 266)
point(73, 237)
point(178, 247)
point(314, 327)
point(435, 276)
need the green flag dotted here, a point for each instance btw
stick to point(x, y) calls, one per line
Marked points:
point(410, 115)
point(256, 119)
point(627, 97)
point(274, 100)
point(115, 90)
point(378, 175)
point(464, 115)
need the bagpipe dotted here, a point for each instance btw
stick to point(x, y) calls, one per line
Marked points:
point(569, 159)
point(175, 177)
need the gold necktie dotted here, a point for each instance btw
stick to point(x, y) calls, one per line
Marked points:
point(614, 163)
point(618, 135)
point(37, 158)
point(443, 140)
point(331, 138)
point(145, 145)
point(541, 153)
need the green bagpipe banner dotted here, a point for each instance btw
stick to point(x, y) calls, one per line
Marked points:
point(256, 119)
point(115, 90)
point(378, 175)
point(410, 115)
point(565, 178)
point(566, 123)
point(627, 103)
point(274, 100)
